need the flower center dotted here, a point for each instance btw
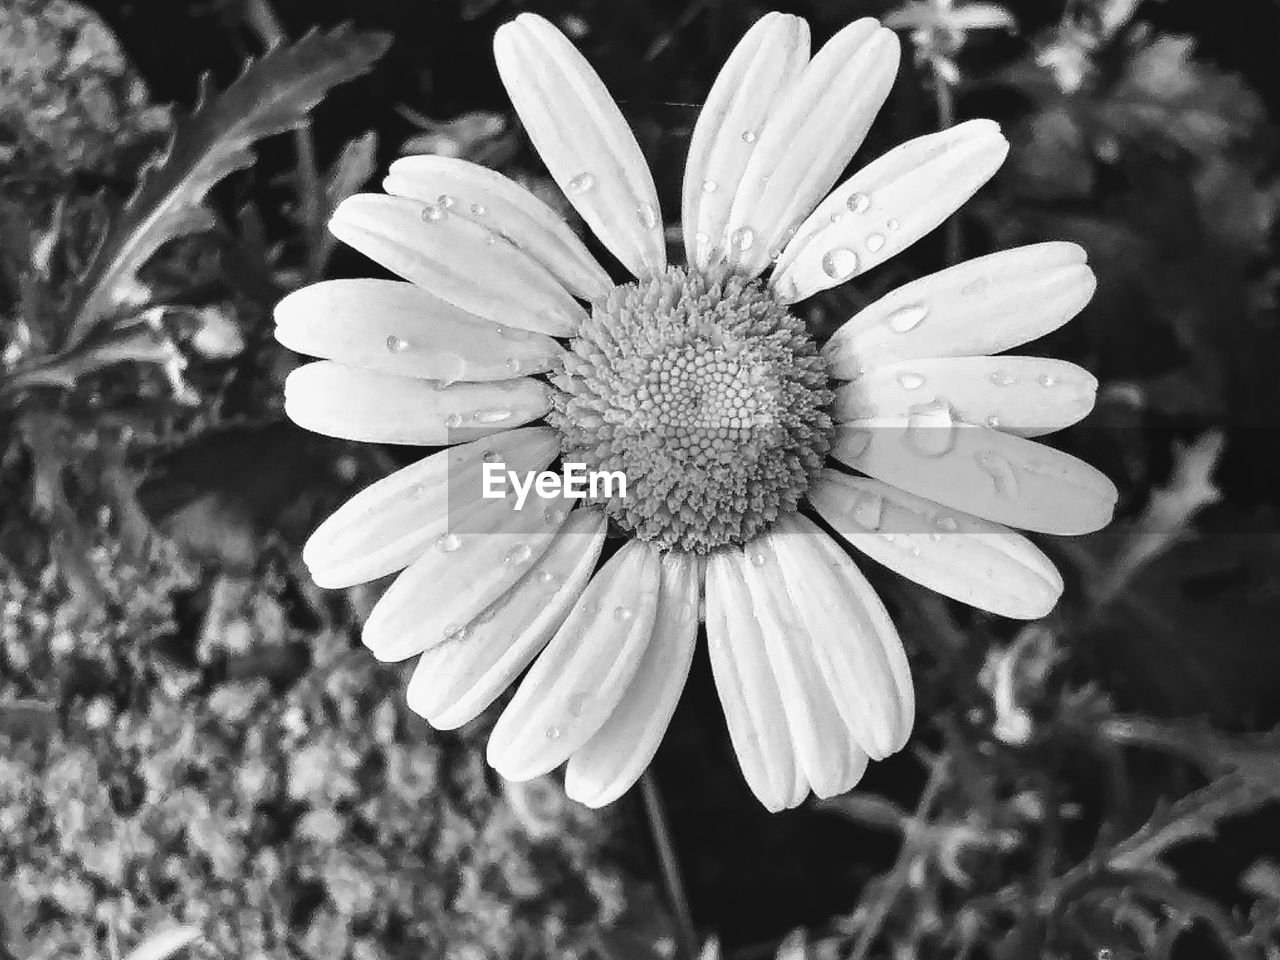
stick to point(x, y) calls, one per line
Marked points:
point(707, 395)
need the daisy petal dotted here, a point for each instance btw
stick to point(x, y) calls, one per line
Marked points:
point(887, 206)
point(500, 204)
point(748, 691)
point(583, 139)
point(763, 65)
point(392, 522)
point(399, 328)
point(490, 545)
point(991, 474)
point(813, 132)
point(341, 401)
point(456, 681)
point(1029, 396)
point(457, 260)
point(606, 766)
point(977, 307)
point(854, 642)
point(583, 673)
point(959, 556)
point(826, 749)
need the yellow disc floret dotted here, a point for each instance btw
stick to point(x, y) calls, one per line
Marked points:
point(708, 396)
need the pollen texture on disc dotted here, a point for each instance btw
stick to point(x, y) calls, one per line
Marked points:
point(707, 395)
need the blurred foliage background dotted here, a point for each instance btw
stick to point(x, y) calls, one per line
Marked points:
point(197, 757)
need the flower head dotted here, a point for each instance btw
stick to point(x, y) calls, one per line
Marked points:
point(746, 444)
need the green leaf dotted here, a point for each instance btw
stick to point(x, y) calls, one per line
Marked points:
point(273, 95)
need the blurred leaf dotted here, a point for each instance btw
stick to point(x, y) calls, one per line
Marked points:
point(351, 170)
point(1194, 631)
point(274, 94)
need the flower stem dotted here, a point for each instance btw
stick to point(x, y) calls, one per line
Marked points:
point(944, 100)
point(669, 863)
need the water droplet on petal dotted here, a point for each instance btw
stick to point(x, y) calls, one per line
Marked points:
point(907, 318)
point(518, 554)
point(577, 703)
point(758, 558)
point(547, 577)
point(432, 213)
point(840, 263)
point(859, 203)
point(647, 216)
point(490, 456)
point(894, 224)
point(946, 522)
point(582, 183)
point(1047, 381)
point(453, 421)
point(622, 613)
point(1001, 378)
point(479, 209)
point(491, 239)
point(993, 422)
point(910, 381)
point(445, 201)
point(702, 239)
point(492, 416)
point(742, 239)
point(1001, 472)
point(448, 543)
point(875, 242)
point(868, 511)
point(553, 733)
point(397, 344)
point(837, 217)
point(710, 186)
point(554, 516)
point(931, 428)
point(749, 136)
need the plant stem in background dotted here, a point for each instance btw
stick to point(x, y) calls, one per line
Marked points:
point(944, 100)
point(669, 863)
point(263, 21)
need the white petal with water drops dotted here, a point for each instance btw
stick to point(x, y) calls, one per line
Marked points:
point(392, 522)
point(457, 680)
point(499, 204)
point(826, 748)
point(812, 133)
point(341, 401)
point(889, 205)
point(978, 307)
point(1029, 396)
point(399, 328)
point(855, 643)
point(748, 691)
point(583, 139)
point(583, 673)
point(952, 553)
point(985, 472)
point(458, 260)
point(763, 65)
point(489, 547)
point(606, 766)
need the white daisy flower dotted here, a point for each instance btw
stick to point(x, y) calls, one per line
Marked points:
point(744, 442)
